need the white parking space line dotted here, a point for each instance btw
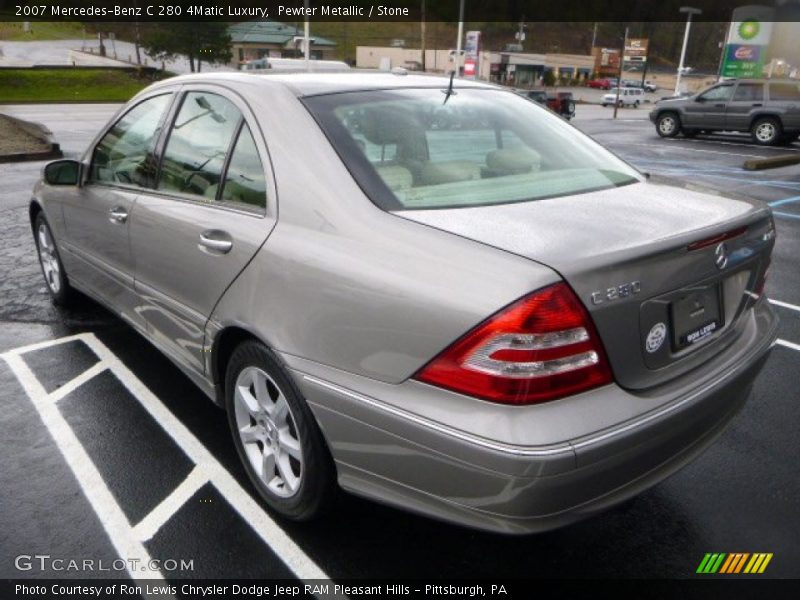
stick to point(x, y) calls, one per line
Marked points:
point(785, 305)
point(162, 513)
point(92, 483)
point(128, 539)
point(790, 345)
point(74, 384)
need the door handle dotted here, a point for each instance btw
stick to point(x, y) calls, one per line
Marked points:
point(118, 215)
point(219, 242)
point(758, 104)
point(719, 106)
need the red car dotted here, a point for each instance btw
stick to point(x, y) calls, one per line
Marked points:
point(602, 83)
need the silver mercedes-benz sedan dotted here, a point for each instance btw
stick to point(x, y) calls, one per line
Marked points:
point(435, 294)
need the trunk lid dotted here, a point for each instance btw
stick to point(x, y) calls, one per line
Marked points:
point(662, 302)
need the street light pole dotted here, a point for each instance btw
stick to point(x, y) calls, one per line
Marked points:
point(689, 12)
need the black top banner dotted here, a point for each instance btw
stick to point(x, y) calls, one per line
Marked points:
point(387, 10)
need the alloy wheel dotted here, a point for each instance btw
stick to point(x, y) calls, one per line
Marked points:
point(268, 432)
point(49, 259)
point(766, 131)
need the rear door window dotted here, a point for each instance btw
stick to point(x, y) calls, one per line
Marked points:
point(245, 184)
point(749, 92)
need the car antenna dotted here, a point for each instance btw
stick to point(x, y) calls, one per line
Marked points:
point(449, 91)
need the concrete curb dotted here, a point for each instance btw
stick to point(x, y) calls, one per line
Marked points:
point(40, 132)
point(772, 162)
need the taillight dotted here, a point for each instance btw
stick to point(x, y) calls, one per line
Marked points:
point(540, 348)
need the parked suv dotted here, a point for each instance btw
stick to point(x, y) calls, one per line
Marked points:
point(769, 110)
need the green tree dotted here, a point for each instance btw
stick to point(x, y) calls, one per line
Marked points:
point(197, 41)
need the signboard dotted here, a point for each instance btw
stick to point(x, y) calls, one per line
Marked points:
point(748, 37)
point(636, 49)
point(469, 67)
point(743, 61)
point(472, 44)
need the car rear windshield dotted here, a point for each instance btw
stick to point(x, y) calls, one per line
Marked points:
point(424, 149)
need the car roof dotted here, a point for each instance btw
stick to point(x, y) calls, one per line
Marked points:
point(313, 84)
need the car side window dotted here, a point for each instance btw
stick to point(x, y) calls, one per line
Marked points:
point(244, 178)
point(198, 144)
point(721, 93)
point(125, 153)
point(784, 91)
point(749, 92)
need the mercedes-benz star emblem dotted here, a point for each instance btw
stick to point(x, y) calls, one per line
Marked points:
point(721, 256)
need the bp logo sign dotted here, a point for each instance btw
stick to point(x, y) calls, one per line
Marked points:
point(749, 29)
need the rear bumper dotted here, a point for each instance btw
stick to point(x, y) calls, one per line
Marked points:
point(389, 454)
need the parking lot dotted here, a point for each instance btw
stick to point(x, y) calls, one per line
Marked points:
point(110, 452)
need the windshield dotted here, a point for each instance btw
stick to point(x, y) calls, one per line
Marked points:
point(423, 149)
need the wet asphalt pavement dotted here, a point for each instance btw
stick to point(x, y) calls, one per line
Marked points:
point(137, 458)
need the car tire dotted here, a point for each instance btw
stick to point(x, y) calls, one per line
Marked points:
point(604, 104)
point(766, 131)
point(55, 276)
point(276, 435)
point(668, 124)
point(636, 104)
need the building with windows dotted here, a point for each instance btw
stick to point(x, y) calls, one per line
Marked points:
point(251, 40)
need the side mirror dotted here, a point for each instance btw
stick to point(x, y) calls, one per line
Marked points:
point(62, 172)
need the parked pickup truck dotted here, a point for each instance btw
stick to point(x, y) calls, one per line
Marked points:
point(768, 110)
point(561, 103)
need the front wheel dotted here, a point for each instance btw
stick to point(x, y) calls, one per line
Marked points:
point(668, 125)
point(766, 131)
point(49, 260)
point(276, 435)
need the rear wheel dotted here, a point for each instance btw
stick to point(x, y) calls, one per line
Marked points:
point(276, 435)
point(766, 131)
point(52, 268)
point(668, 124)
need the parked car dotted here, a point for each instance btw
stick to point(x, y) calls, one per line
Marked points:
point(445, 298)
point(631, 83)
point(561, 103)
point(649, 86)
point(626, 97)
point(602, 83)
point(768, 110)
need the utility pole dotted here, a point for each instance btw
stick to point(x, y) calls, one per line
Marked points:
point(594, 38)
point(422, 35)
point(619, 78)
point(689, 12)
point(307, 39)
point(460, 36)
point(138, 38)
